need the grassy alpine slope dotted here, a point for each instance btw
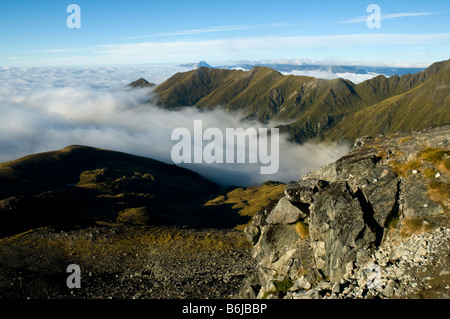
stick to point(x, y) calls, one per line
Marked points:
point(314, 108)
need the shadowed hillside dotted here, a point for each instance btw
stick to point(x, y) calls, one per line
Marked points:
point(80, 186)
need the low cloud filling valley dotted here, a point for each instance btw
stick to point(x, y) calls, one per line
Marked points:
point(44, 109)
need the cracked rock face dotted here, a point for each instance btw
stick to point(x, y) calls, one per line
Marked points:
point(303, 190)
point(334, 223)
point(339, 228)
point(286, 213)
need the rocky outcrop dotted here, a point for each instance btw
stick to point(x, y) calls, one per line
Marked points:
point(373, 223)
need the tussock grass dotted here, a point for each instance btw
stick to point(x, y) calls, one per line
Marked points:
point(405, 139)
point(302, 230)
point(283, 286)
point(112, 246)
point(165, 239)
point(249, 201)
point(438, 189)
point(404, 168)
point(440, 192)
point(436, 156)
point(11, 239)
point(415, 225)
point(135, 216)
point(430, 173)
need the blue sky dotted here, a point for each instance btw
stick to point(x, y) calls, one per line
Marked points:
point(34, 32)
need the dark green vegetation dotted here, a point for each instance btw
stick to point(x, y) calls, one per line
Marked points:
point(317, 109)
point(283, 285)
point(82, 186)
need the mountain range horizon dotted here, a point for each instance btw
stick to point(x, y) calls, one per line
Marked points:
point(315, 108)
point(297, 65)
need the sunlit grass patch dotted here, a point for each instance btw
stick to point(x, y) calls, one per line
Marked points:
point(249, 201)
point(404, 168)
point(302, 230)
point(415, 225)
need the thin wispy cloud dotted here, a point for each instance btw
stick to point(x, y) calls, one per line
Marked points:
point(258, 47)
point(236, 48)
point(189, 32)
point(57, 50)
point(406, 14)
point(389, 16)
point(247, 43)
point(204, 30)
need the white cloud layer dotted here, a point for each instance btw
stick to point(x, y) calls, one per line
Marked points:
point(389, 16)
point(46, 109)
point(354, 77)
point(236, 48)
point(410, 48)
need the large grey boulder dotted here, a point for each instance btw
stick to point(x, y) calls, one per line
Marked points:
point(286, 213)
point(253, 231)
point(303, 190)
point(338, 221)
point(416, 201)
point(339, 228)
point(383, 195)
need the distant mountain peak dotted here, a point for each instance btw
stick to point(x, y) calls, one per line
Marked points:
point(314, 66)
point(203, 63)
point(196, 65)
point(141, 83)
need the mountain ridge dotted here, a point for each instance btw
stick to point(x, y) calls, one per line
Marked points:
point(310, 66)
point(429, 102)
point(309, 106)
point(196, 65)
